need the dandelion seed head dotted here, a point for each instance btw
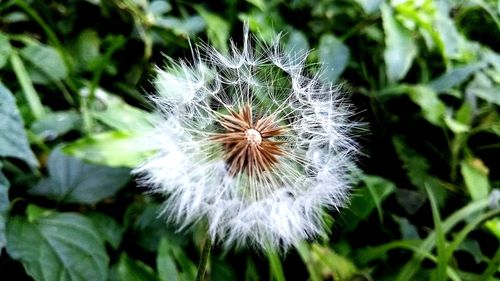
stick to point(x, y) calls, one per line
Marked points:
point(250, 143)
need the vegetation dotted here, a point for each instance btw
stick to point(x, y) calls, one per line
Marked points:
point(74, 81)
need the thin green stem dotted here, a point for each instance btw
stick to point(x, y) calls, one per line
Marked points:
point(205, 254)
point(276, 269)
point(29, 91)
point(492, 267)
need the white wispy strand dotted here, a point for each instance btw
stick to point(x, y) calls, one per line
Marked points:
point(283, 205)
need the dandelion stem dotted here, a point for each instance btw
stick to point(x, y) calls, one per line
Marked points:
point(205, 254)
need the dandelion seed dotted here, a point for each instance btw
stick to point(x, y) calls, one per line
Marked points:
point(250, 143)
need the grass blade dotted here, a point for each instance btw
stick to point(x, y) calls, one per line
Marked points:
point(440, 238)
point(29, 91)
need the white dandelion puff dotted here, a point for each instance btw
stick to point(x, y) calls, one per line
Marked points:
point(250, 143)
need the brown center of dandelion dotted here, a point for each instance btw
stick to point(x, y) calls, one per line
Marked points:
point(248, 144)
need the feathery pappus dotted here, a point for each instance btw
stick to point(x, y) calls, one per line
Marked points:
point(251, 143)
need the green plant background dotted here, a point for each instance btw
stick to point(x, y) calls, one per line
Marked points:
point(74, 80)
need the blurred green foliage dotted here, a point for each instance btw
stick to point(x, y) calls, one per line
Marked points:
point(425, 74)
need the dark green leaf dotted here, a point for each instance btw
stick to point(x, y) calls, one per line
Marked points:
point(433, 108)
point(410, 200)
point(407, 229)
point(488, 94)
point(58, 247)
point(4, 207)
point(5, 49)
point(13, 140)
point(150, 228)
point(379, 188)
point(159, 7)
point(73, 181)
point(416, 166)
point(53, 125)
point(297, 44)
point(183, 27)
point(108, 228)
point(454, 77)
point(87, 50)
point(333, 56)
point(165, 263)
point(30, 94)
point(46, 64)
point(222, 270)
point(472, 247)
point(448, 33)
point(217, 28)
point(134, 270)
point(400, 48)
point(368, 198)
point(369, 6)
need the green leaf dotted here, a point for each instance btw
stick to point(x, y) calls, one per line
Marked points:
point(433, 108)
point(34, 212)
point(467, 212)
point(410, 200)
point(454, 77)
point(221, 269)
point(330, 263)
point(466, 230)
point(400, 48)
point(379, 189)
point(252, 273)
point(87, 50)
point(494, 226)
point(13, 139)
point(416, 165)
point(55, 124)
point(116, 149)
point(472, 247)
point(165, 262)
point(117, 114)
point(173, 264)
point(297, 44)
point(407, 229)
point(5, 49)
point(264, 24)
point(159, 7)
point(130, 269)
point(365, 200)
point(491, 94)
point(217, 28)
point(369, 6)
point(181, 27)
point(45, 63)
point(108, 228)
point(440, 238)
point(493, 265)
point(149, 228)
point(448, 32)
point(333, 56)
point(4, 207)
point(275, 265)
point(63, 246)
point(476, 178)
point(73, 181)
point(30, 94)
point(456, 126)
